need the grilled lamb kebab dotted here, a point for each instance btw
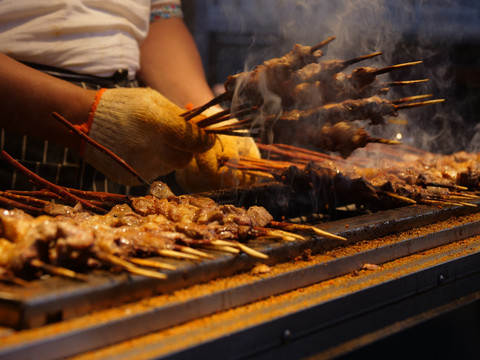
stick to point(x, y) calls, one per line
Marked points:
point(373, 108)
point(76, 240)
point(341, 137)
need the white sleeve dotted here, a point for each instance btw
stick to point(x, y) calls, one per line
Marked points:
point(88, 37)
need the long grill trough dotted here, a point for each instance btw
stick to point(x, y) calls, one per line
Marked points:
point(373, 240)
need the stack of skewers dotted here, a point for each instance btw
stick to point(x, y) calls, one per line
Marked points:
point(66, 232)
point(303, 100)
point(310, 102)
point(378, 177)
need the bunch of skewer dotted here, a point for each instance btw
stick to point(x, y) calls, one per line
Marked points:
point(378, 179)
point(318, 101)
point(72, 230)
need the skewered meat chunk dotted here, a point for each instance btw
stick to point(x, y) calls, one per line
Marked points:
point(75, 239)
point(339, 88)
point(341, 137)
point(275, 71)
point(373, 108)
point(327, 188)
point(298, 87)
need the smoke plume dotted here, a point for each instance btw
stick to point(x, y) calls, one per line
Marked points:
point(403, 30)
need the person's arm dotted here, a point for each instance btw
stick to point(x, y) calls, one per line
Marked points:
point(170, 63)
point(139, 125)
point(28, 98)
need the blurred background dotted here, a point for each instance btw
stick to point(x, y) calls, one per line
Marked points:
point(237, 35)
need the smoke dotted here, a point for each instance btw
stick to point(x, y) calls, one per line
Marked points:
point(403, 30)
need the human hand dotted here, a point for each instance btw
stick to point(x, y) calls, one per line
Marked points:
point(207, 171)
point(143, 128)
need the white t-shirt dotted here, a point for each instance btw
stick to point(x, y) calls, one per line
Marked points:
point(95, 37)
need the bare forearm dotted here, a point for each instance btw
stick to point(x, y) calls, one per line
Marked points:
point(171, 64)
point(28, 97)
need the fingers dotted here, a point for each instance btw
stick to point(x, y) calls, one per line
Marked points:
point(173, 129)
point(183, 135)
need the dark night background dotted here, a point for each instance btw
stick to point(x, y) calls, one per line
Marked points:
point(235, 35)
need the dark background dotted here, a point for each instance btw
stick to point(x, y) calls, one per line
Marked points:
point(234, 35)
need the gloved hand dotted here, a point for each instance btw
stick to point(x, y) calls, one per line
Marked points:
point(207, 172)
point(143, 128)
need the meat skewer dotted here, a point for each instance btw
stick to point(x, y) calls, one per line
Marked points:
point(339, 87)
point(275, 71)
point(373, 109)
point(313, 94)
point(248, 86)
point(44, 183)
point(405, 82)
point(366, 75)
point(417, 104)
point(323, 70)
point(299, 56)
point(411, 98)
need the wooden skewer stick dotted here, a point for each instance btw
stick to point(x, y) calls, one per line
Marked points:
point(228, 131)
point(225, 115)
point(245, 166)
point(12, 279)
point(57, 270)
point(399, 197)
point(215, 101)
point(384, 141)
point(242, 247)
point(177, 254)
point(15, 204)
point(253, 253)
point(239, 125)
point(84, 194)
point(152, 263)
point(447, 186)
point(115, 260)
point(438, 202)
point(395, 67)
point(298, 152)
point(24, 199)
point(411, 98)
point(213, 119)
point(405, 82)
point(361, 58)
point(417, 104)
point(42, 194)
point(192, 251)
point(465, 195)
point(307, 228)
point(50, 186)
point(286, 235)
point(463, 203)
point(100, 147)
point(322, 44)
point(223, 248)
point(99, 195)
point(259, 174)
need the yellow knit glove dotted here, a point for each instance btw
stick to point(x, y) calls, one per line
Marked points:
point(207, 171)
point(143, 128)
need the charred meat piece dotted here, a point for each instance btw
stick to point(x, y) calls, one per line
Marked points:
point(272, 72)
point(373, 108)
point(328, 188)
